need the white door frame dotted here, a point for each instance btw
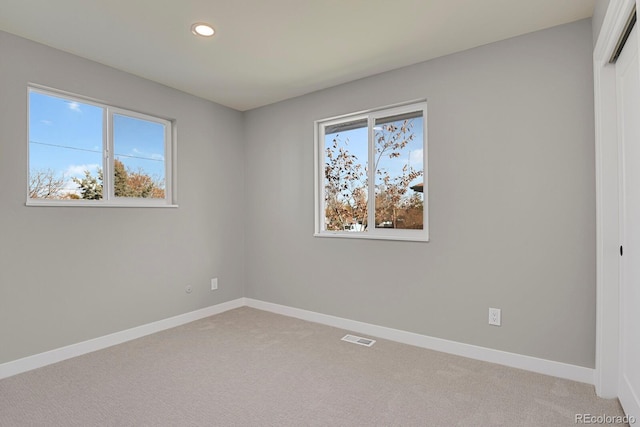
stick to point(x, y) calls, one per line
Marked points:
point(607, 201)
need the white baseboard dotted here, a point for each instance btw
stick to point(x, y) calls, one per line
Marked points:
point(629, 400)
point(57, 355)
point(528, 363)
point(542, 366)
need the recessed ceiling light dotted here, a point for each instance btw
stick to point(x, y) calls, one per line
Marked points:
point(202, 29)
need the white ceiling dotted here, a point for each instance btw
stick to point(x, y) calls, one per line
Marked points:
point(269, 50)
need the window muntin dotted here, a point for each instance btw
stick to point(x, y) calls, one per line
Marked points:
point(86, 153)
point(386, 201)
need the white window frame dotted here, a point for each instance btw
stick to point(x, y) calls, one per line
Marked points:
point(319, 156)
point(108, 197)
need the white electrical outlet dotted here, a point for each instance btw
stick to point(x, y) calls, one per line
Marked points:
point(214, 283)
point(494, 316)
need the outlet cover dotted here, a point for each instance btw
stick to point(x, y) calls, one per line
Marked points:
point(495, 317)
point(214, 283)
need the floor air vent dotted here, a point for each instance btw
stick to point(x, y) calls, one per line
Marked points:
point(358, 340)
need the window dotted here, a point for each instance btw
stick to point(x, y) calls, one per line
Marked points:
point(371, 179)
point(86, 153)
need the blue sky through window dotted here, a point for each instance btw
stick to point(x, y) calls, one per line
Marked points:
point(411, 155)
point(66, 136)
point(139, 144)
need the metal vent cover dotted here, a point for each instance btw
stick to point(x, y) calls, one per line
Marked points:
point(358, 340)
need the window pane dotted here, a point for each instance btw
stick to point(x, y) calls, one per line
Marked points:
point(139, 163)
point(65, 148)
point(399, 171)
point(345, 176)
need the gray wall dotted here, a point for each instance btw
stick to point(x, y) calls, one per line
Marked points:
point(512, 202)
point(71, 274)
point(599, 12)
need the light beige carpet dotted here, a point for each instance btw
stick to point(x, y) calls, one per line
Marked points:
point(247, 367)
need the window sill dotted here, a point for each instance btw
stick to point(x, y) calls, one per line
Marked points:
point(412, 237)
point(90, 204)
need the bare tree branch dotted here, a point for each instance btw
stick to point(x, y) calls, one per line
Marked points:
point(44, 184)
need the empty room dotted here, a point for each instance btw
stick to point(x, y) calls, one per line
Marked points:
point(355, 213)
